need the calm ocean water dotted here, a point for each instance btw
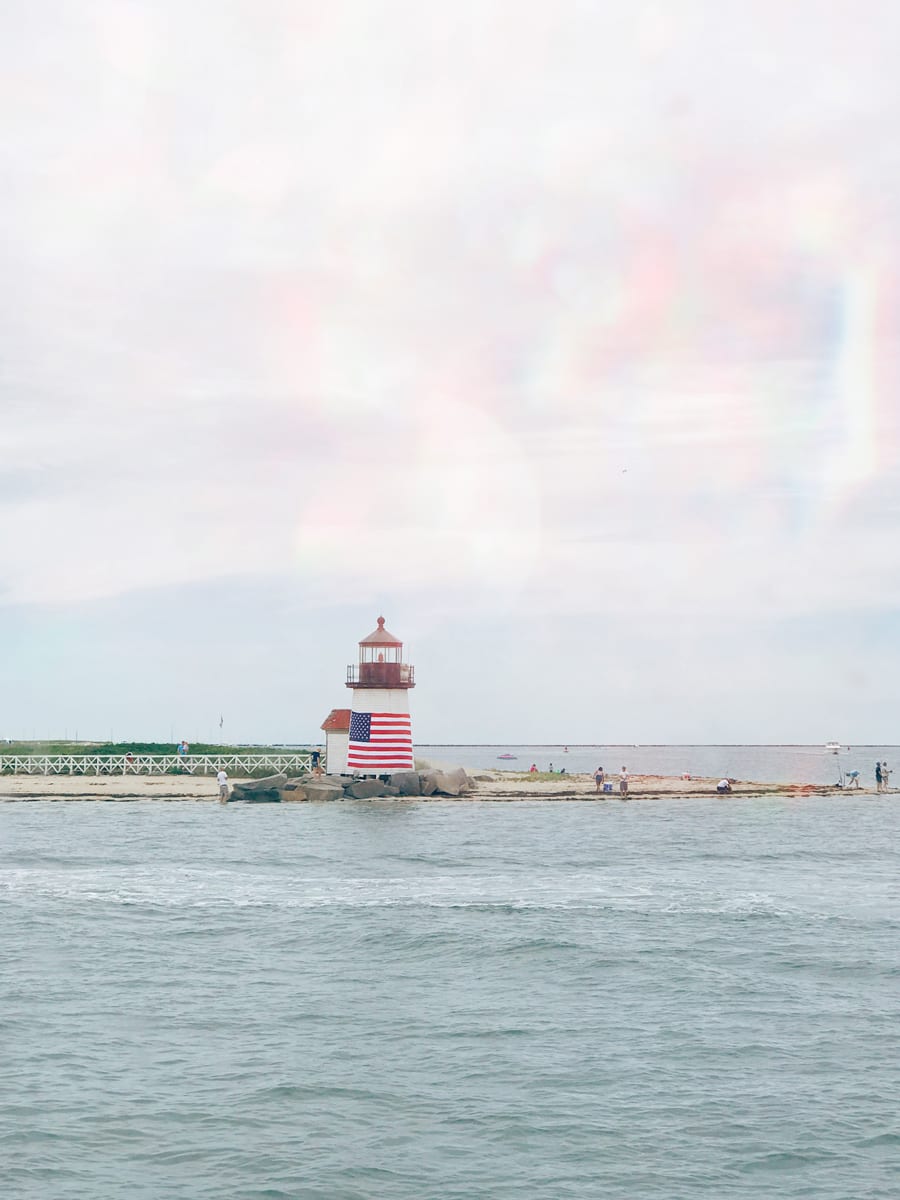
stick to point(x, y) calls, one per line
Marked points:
point(401, 1001)
point(759, 764)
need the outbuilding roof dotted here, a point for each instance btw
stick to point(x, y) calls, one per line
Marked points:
point(337, 721)
point(381, 637)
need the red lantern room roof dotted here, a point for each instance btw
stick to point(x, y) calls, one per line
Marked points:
point(381, 637)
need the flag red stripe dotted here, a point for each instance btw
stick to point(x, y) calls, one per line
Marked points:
point(378, 764)
point(378, 755)
point(403, 761)
point(384, 744)
point(381, 751)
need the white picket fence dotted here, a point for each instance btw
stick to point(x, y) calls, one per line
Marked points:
point(155, 764)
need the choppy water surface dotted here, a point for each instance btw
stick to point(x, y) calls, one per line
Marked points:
point(656, 999)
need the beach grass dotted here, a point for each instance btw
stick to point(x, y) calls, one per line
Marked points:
point(114, 749)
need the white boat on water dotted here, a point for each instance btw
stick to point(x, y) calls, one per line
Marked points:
point(834, 747)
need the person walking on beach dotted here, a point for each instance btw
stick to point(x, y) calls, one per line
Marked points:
point(599, 777)
point(222, 780)
point(623, 783)
point(878, 777)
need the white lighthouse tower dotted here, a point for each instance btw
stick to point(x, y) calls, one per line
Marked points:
point(380, 739)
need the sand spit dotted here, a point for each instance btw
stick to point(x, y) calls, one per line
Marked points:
point(499, 786)
point(107, 787)
point(509, 785)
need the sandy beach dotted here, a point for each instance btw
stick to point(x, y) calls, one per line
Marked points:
point(500, 786)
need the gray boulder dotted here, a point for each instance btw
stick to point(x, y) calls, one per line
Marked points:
point(270, 783)
point(293, 794)
point(322, 791)
point(257, 796)
point(407, 783)
point(461, 779)
point(446, 783)
point(369, 789)
point(365, 789)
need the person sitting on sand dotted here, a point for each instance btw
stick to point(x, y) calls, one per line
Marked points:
point(599, 778)
point(532, 769)
point(724, 785)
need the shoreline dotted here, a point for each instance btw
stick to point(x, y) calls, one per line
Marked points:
point(493, 786)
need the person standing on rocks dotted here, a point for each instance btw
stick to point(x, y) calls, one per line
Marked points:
point(599, 778)
point(885, 777)
point(623, 783)
point(878, 777)
point(222, 780)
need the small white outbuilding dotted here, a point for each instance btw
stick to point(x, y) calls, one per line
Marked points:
point(336, 728)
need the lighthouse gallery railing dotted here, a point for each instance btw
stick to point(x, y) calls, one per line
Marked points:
point(401, 675)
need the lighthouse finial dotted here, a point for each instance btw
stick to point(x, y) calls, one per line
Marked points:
point(381, 622)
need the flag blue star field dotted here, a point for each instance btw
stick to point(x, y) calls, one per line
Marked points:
point(380, 742)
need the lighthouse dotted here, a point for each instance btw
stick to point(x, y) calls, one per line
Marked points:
point(380, 736)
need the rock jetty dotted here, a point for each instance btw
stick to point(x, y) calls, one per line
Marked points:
point(279, 789)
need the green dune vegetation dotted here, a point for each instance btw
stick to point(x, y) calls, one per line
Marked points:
point(116, 751)
point(116, 748)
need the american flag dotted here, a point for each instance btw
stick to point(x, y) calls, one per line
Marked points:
point(380, 742)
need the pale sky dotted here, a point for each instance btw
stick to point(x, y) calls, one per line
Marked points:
point(562, 333)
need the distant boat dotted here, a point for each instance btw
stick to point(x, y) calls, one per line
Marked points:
point(834, 747)
point(507, 756)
